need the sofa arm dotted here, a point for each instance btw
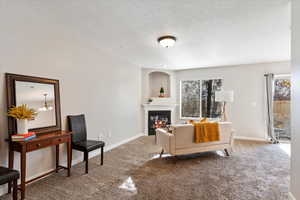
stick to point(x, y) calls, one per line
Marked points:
point(165, 140)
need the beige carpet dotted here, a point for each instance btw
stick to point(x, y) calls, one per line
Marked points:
point(133, 171)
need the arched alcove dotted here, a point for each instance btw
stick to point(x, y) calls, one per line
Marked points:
point(156, 81)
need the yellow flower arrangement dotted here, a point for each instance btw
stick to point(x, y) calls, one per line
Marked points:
point(22, 112)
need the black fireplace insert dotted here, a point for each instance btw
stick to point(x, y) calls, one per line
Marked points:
point(158, 119)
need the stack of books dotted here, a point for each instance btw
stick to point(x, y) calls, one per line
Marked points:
point(23, 137)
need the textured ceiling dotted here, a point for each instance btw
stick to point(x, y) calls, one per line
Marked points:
point(209, 32)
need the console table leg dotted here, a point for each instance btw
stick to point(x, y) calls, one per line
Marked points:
point(15, 189)
point(10, 163)
point(57, 157)
point(23, 171)
point(69, 152)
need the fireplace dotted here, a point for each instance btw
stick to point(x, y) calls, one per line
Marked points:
point(163, 113)
point(158, 119)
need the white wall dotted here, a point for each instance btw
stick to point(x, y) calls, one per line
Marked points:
point(100, 85)
point(248, 111)
point(295, 159)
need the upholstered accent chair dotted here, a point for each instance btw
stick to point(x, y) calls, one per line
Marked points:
point(79, 139)
point(181, 140)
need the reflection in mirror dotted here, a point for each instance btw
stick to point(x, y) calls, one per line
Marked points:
point(41, 98)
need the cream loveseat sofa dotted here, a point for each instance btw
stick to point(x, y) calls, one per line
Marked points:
point(181, 140)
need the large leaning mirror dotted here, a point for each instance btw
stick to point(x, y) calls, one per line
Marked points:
point(40, 94)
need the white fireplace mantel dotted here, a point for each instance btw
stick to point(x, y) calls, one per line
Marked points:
point(154, 107)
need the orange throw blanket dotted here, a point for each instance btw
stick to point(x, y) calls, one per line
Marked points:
point(206, 132)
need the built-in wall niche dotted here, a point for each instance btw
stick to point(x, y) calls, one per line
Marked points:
point(158, 80)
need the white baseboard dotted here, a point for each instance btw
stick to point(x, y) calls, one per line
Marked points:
point(3, 188)
point(291, 196)
point(110, 147)
point(250, 138)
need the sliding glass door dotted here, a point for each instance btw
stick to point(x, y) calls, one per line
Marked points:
point(282, 106)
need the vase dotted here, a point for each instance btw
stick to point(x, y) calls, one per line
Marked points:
point(22, 126)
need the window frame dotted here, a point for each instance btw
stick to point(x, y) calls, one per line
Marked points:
point(180, 106)
point(180, 98)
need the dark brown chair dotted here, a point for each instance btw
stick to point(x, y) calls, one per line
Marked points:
point(10, 176)
point(79, 139)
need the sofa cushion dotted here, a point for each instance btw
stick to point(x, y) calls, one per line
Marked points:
point(185, 138)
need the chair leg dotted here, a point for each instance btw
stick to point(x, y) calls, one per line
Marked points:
point(71, 155)
point(9, 187)
point(15, 189)
point(175, 158)
point(102, 155)
point(226, 152)
point(161, 153)
point(86, 159)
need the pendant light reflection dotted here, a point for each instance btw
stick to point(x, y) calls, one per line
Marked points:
point(46, 107)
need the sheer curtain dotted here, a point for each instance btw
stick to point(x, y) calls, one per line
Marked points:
point(270, 117)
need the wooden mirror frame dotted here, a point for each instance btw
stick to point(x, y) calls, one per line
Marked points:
point(11, 101)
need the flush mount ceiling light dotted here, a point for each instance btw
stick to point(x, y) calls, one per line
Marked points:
point(167, 41)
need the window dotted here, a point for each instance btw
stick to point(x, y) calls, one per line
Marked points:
point(190, 99)
point(198, 98)
point(210, 108)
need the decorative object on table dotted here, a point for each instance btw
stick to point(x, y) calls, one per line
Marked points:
point(162, 92)
point(150, 100)
point(23, 137)
point(224, 97)
point(22, 114)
